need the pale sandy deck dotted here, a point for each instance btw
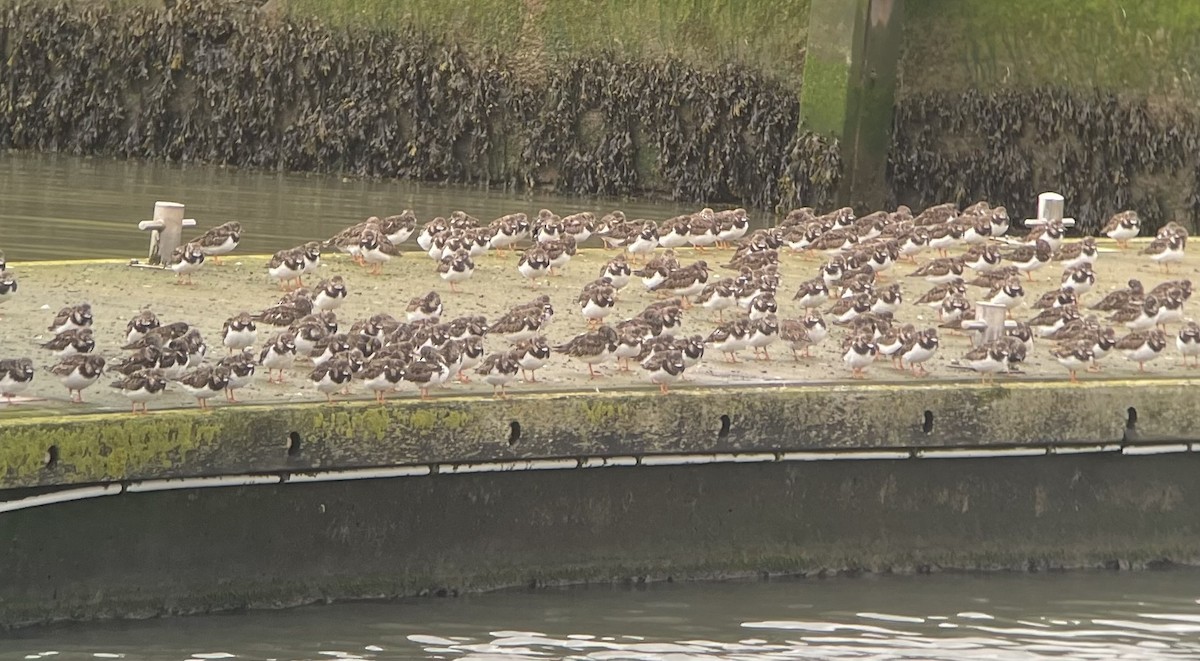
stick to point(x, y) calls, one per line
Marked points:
point(116, 291)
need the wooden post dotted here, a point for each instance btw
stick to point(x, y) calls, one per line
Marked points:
point(849, 88)
point(166, 230)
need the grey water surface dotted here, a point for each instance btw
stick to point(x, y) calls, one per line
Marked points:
point(62, 207)
point(1079, 615)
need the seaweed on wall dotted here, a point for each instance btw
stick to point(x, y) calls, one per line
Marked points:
point(1103, 152)
point(218, 82)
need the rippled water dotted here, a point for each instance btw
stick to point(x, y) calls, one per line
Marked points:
point(68, 207)
point(1013, 616)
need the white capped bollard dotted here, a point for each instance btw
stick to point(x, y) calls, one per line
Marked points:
point(167, 230)
point(989, 323)
point(1050, 208)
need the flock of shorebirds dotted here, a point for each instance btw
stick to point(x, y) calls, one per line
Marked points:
point(427, 350)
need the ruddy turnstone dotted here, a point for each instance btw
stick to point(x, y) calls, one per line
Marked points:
point(812, 294)
point(954, 307)
point(287, 266)
point(288, 310)
point(1031, 256)
point(892, 341)
point(1184, 287)
point(376, 249)
point(220, 240)
point(1170, 309)
point(579, 226)
point(330, 293)
point(684, 282)
point(732, 225)
point(279, 353)
point(508, 230)
point(988, 359)
point(702, 229)
point(1049, 320)
point(664, 368)
point(328, 347)
point(335, 374)
point(347, 240)
point(803, 333)
point(762, 307)
point(730, 338)
point(241, 368)
point(718, 296)
point(1009, 295)
point(184, 261)
point(935, 295)
point(645, 241)
point(141, 387)
point(764, 331)
point(656, 269)
point(428, 306)
point(77, 372)
point(674, 232)
point(617, 270)
point(1055, 298)
point(548, 226)
point(1078, 253)
point(983, 259)
point(141, 323)
point(1121, 298)
point(940, 270)
point(858, 352)
point(238, 332)
point(427, 371)
point(918, 349)
point(1188, 343)
point(1143, 346)
point(498, 370)
point(204, 382)
point(74, 316)
point(71, 342)
point(16, 374)
point(8, 285)
point(1051, 232)
point(534, 263)
point(382, 375)
point(456, 268)
point(311, 252)
point(1073, 356)
point(430, 230)
point(560, 251)
point(593, 347)
point(1165, 251)
point(531, 355)
point(1138, 316)
point(596, 303)
point(944, 237)
point(1079, 279)
point(400, 226)
point(1122, 227)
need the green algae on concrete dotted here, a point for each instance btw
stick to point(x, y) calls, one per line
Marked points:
point(252, 439)
point(1133, 48)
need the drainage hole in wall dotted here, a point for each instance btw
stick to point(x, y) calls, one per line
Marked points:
point(514, 432)
point(1131, 418)
point(51, 456)
point(927, 425)
point(724, 427)
point(293, 446)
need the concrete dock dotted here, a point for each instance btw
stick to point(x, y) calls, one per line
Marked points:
point(749, 469)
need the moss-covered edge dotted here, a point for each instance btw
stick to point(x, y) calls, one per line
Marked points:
point(176, 443)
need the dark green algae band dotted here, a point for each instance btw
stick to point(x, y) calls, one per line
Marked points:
point(186, 443)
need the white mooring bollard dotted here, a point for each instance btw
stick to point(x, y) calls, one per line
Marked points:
point(166, 230)
point(1050, 208)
